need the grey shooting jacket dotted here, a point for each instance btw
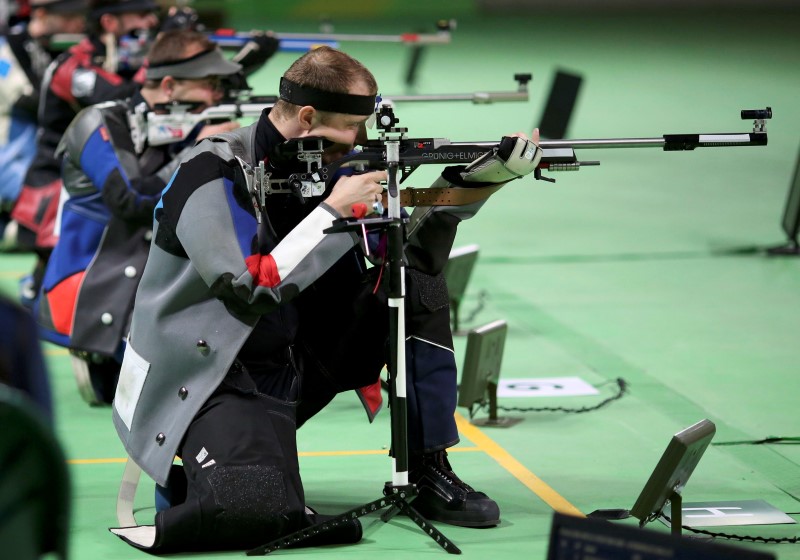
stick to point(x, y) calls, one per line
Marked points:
point(183, 337)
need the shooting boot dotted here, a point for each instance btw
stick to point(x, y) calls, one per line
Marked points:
point(442, 496)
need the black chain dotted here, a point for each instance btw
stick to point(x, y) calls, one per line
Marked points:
point(769, 439)
point(748, 538)
point(622, 388)
point(483, 295)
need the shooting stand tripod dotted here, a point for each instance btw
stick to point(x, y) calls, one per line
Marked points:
point(398, 491)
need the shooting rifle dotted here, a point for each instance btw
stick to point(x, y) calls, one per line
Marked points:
point(300, 42)
point(174, 122)
point(228, 38)
point(394, 150)
point(177, 121)
point(477, 98)
point(558, 155)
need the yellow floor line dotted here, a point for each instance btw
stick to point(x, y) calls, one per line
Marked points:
point(476, 436)
point(368, 452)
point(508, 462)
point(96, 461)
point(301, 454)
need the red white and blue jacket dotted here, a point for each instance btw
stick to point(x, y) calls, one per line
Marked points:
point(75, 80)
point(111, 192)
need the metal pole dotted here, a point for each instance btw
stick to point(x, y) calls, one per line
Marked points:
point(397, 334)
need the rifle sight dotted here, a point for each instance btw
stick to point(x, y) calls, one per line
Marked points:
point(757, 113)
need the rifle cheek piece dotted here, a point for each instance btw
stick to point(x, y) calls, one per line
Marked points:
point(292, 154)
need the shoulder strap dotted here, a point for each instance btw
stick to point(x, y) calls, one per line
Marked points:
point(444, 196)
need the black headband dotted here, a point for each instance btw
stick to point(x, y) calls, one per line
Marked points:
point(322, 100)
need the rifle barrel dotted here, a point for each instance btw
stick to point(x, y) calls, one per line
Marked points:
point(442, 37)
point(286, 45)
point(605, 143)
point(293, 42)
point(669, 142)
point(478, 97)
point(307, 41)
point(599, 143)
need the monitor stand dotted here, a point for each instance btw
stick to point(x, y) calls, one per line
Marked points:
point(790, 249)
point(493, 421)
point(676, 515)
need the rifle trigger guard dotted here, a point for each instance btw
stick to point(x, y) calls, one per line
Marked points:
point(296, 186)
point(537, 174)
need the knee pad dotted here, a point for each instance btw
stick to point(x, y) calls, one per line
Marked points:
point(252, 503)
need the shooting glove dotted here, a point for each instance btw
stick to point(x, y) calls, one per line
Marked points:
point(511, 159)
point(257, 51)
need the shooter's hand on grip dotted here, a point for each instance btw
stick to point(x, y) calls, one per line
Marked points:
point(364, 188)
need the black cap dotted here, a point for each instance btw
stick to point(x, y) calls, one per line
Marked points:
point(100, 7)
point(201, 65)
point(61, 6)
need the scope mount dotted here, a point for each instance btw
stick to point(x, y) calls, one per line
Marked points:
point(759, 117)
point(385, 121)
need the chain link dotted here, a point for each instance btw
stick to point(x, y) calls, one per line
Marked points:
point(748, 538)
point(622, 388)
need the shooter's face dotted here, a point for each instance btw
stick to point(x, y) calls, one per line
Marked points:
point(205, 91)
point(345, 131)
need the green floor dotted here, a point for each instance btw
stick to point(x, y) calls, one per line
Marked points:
point(646, 268)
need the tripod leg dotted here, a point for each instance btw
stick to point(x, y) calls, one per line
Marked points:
point(303, 534)
point(426, 526)
point(389, 513)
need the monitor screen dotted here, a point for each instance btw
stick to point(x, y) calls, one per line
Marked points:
point(791, 214)
point(458, 270)
point(579, 538)
point(673, 469)
point(560, 105)
point(482, 362)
